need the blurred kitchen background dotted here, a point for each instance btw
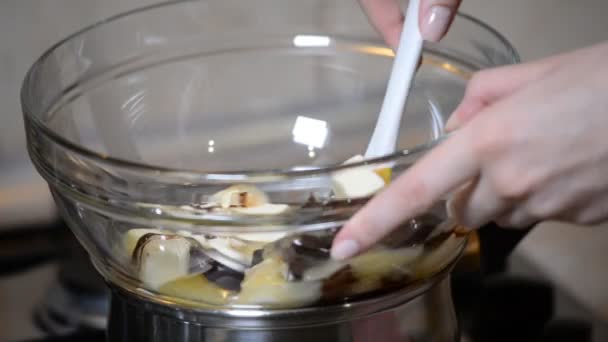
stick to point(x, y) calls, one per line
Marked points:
point(573, 259)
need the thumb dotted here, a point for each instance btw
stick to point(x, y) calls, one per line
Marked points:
point(386, 16)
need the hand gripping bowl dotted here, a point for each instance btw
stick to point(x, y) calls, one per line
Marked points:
point(202, 152)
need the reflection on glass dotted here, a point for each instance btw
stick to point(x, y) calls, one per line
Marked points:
point(309, 131)
point(311, 41)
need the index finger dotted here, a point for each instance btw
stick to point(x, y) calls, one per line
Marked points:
point(387, 17)
point(443, 169)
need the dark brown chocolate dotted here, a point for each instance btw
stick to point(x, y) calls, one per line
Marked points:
point(311, 202)
point(302, 251)
point(224, 277)
point(338, 284)
point(437, 240)
point(258, 257)
point(395, 280)
point(298, 263)
point(243, 199)
point(313, 246)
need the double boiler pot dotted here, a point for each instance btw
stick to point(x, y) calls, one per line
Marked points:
point(205, 154)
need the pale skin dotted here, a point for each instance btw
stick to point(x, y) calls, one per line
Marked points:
point(529, 143)
point(387, 17)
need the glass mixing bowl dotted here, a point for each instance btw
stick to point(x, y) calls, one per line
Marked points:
point(197, 149)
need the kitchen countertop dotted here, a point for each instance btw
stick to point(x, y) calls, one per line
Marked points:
point(18, 295)
point(572, 257)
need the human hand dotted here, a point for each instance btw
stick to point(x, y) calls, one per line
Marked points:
point(387, 17)
point(531, 145)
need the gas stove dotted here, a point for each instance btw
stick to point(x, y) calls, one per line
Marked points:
point(55, 293)
point(52, 292)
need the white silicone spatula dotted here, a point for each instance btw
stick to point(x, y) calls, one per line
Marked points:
point(384, 138)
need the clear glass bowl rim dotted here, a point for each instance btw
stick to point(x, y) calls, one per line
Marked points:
point(250, 176)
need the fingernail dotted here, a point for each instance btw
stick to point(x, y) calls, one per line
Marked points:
point(345, 249)
point(435, 23)
point(452, 123)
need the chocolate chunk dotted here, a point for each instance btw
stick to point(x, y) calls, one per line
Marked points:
point(312, 246)
point(338, 284)
point(303, 251)
point(258, 257)
point(311, 202)
point(224, 277)
point(298, 263)
point(296, 268)
point(243, 199)
point(341, 203)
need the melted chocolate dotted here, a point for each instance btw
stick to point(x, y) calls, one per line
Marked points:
point(303, 251)
point(224, 277)
point(437, 240)
point(338, 284)
point(298, 263)
point(395, 280)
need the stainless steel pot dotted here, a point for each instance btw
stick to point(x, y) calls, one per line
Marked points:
point(421, 313)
